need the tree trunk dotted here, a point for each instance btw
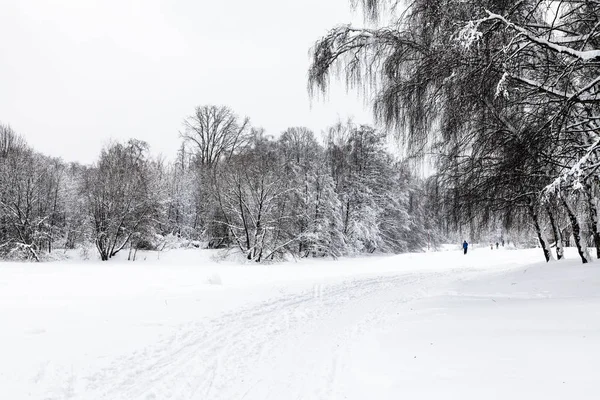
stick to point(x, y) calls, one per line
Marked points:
point(102, 249)
point(581, 248)
point(566, 234)
point(557, 236)
point(243, 218)
point(538, 230)
point(593, 210)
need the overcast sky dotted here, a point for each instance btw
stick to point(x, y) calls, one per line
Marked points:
point(75, 74)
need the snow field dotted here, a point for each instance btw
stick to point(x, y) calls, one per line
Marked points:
point(492, 324)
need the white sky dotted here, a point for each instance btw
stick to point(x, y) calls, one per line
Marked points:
point(76, 73)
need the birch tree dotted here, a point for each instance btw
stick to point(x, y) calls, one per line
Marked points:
point(468, 80)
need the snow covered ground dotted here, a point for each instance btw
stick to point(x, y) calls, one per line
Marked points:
point(490, 325)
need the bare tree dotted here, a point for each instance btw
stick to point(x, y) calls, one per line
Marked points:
point(31, 198)
point(312, 199)
point(119, 197)
point(9, 140)
point(216, 132)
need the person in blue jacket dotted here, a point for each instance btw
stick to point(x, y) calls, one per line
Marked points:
point(465, 246)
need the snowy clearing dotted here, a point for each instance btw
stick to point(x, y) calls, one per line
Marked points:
point(489, 325)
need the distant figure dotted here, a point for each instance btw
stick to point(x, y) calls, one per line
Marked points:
point(496, 245)
point(491, 246)
point(465, 246)
point(502, 242)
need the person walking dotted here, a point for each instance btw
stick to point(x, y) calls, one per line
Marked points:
point(465, 246)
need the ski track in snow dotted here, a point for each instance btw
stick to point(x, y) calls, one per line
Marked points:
point(202, 359)
point(247, 353)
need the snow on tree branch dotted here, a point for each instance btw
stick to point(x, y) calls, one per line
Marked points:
point(583, 55)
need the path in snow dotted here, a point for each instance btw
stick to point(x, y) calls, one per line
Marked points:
point(287, 348)
point(454, 331)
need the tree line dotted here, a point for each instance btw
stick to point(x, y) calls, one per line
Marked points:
point(503, 95)
point(229, 186)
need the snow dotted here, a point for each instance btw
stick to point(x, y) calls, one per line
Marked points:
point(493, 324)
point(583, 55)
